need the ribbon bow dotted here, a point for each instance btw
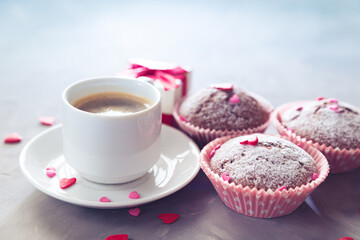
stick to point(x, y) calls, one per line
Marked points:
point(165, 73)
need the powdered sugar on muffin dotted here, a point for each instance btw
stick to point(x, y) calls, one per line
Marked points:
point(272, 163)
point(223, 109)
point(327, 121)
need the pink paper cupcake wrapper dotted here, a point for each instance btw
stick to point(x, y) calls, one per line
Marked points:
point(261, 203)
point(205, 135)
point(340, 160)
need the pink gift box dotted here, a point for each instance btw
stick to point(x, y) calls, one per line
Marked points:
point(172, 80)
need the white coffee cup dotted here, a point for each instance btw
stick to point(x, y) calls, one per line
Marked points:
point(111, 149)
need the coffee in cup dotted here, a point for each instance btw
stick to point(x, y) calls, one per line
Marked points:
point(112, 103)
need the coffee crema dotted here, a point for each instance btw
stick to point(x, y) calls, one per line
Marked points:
point(112, 103)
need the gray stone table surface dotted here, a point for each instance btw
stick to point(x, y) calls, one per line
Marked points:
point(282, 50)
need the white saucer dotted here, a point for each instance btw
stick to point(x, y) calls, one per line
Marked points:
point(177, 166)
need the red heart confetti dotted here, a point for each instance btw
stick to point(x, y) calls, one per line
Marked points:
point(212, 153)
point(244, 141)
point(47, 121)
point(168, 217)
point(104, 199)
point(134, 195)
point(315, 176)
point(234, 99)
point(251, 140)
point(320, 98)
point(134, 212)
point(222, 86)
point(50, 172)
point(13, 138)
point(299, 108)
point(346, 238)
point(117, 237)
point(225, 177)
point(182, 118)
point(67, 182)
point(334, 107)
point(282, 188)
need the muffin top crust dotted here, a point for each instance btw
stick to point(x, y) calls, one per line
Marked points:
point(223, 109)
point(325, 121)
point(268, 163)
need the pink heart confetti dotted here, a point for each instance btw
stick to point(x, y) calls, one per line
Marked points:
point(333, 100)
point(117, 237)
point(234, 99)
point(168, 217)
point(104, 199)
point(13, 138)
point(67, 182)
point(320, 98)
point(212, 153)
point(334, 107)
point(315, 176)
point(134, 211)
point(299, 108)
point(225, 177)
point(291, 130)
point(47, 121)
point(282, 188)
point(251, 140)
point(182, 118)
point(134, 195)
point(222, 86)
point(50, 172)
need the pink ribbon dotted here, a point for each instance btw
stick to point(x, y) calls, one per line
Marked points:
point(164, 73)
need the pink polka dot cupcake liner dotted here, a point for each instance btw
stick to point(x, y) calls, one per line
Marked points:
point(340, 160)
point(205, 135)
point(260, 203)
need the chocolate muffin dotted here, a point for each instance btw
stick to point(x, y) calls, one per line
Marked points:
point(223, 107)
point(325, 121)
point(264, 162)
